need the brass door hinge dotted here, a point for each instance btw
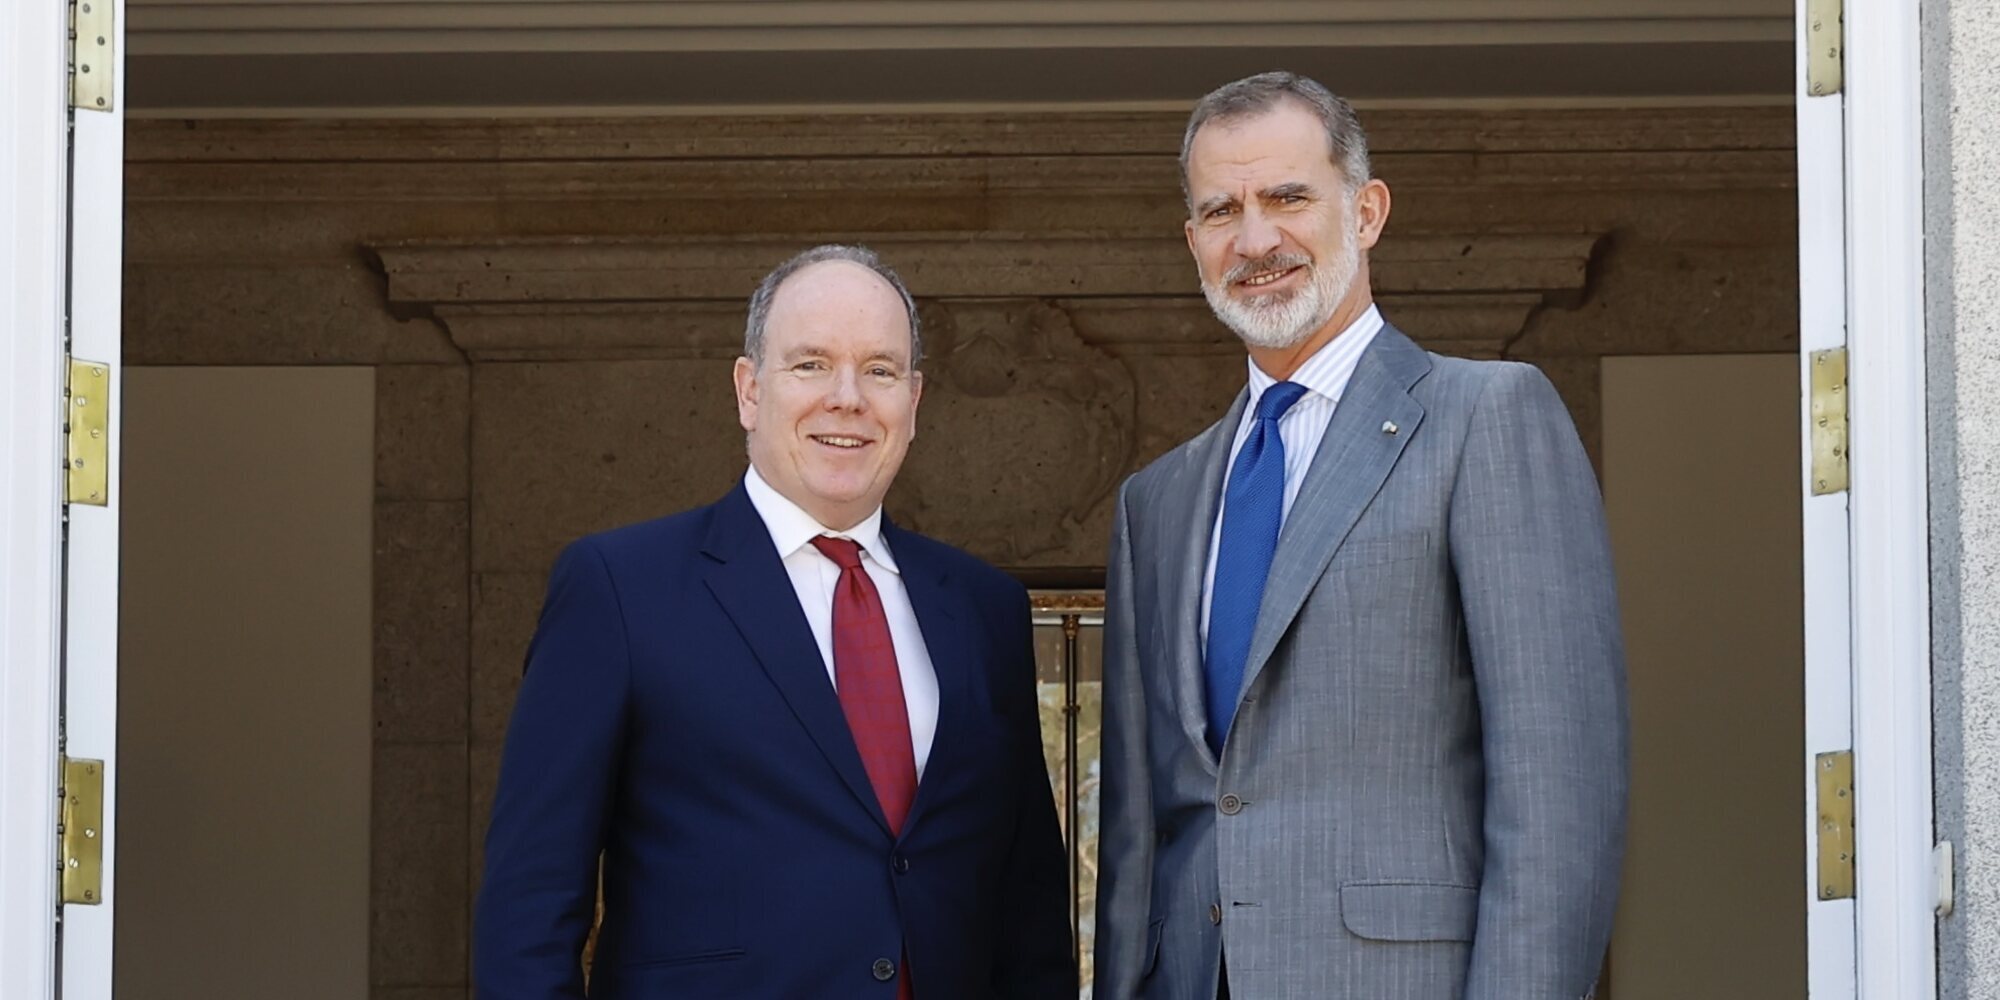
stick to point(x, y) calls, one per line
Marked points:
point(1829, 421)
point(93, 56)
point(1824, 66)
point(88, 428)
point(82, 832)
point(1835, 829)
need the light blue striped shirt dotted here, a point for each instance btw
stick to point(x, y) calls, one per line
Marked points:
point(1325, 376)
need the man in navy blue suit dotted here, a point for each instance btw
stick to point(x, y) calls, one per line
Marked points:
point(804, 741)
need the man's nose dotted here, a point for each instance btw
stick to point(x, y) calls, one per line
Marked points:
point(845, 392)
point(1257, 235)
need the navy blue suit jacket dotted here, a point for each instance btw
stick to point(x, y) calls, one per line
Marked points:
point(676, 715)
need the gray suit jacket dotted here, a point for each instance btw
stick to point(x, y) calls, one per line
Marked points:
point(1423, 794)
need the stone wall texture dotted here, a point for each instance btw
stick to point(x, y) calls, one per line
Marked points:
point(1961, 256)
point(552, 307)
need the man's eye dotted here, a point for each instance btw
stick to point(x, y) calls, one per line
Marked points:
point(1218, 213)
point(809, 366)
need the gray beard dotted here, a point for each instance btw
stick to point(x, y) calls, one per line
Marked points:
point(1272, 323)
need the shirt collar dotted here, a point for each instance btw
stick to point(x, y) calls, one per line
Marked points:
point(1329, 369)
point(792, 528)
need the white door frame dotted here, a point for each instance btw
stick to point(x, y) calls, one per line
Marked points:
point(33, 102)
point(1895, 936)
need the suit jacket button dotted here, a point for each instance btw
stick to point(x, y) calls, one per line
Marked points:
point(902, 865)
point(884, 970)
point(1231, 805)
point(1215, 914)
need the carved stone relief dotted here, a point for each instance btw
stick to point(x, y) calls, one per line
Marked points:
point(1019, 414)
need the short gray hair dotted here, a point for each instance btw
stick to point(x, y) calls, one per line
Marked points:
point(1347, 144)
point(767, 289)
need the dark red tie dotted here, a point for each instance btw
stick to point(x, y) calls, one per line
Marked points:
point(871, 692)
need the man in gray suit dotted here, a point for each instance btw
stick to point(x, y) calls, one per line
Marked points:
point(1364, 723)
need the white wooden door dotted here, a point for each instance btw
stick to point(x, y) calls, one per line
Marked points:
point(1866, 530)
point(1830, 907)
point(61, 194)
point(90, 633)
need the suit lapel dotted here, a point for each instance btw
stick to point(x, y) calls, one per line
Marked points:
point(750, 582)
point(950, 639)
point(1354, 459)
point(1190, 516)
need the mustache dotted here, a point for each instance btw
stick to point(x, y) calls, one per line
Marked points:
point(1266, 264)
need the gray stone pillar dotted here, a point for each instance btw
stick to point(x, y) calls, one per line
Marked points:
point(1961, 78)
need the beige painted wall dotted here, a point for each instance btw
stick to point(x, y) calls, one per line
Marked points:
point(1701, 486)
point(244, 693)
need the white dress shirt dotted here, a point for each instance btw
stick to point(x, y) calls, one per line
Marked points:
point(1325, 376)
point(813, 579)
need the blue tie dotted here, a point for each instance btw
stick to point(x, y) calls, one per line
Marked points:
point(1253, 509)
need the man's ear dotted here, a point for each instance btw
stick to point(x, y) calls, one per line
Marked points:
point(1371, 211)
point(746, 393)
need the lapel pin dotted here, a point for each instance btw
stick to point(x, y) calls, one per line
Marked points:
point(1389, 427)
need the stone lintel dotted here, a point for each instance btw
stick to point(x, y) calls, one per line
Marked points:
point(916, 134)
point(587, 298)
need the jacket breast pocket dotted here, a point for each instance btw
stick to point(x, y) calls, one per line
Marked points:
point(1409, 911)
point(1377, 573)
point(1359, 551)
